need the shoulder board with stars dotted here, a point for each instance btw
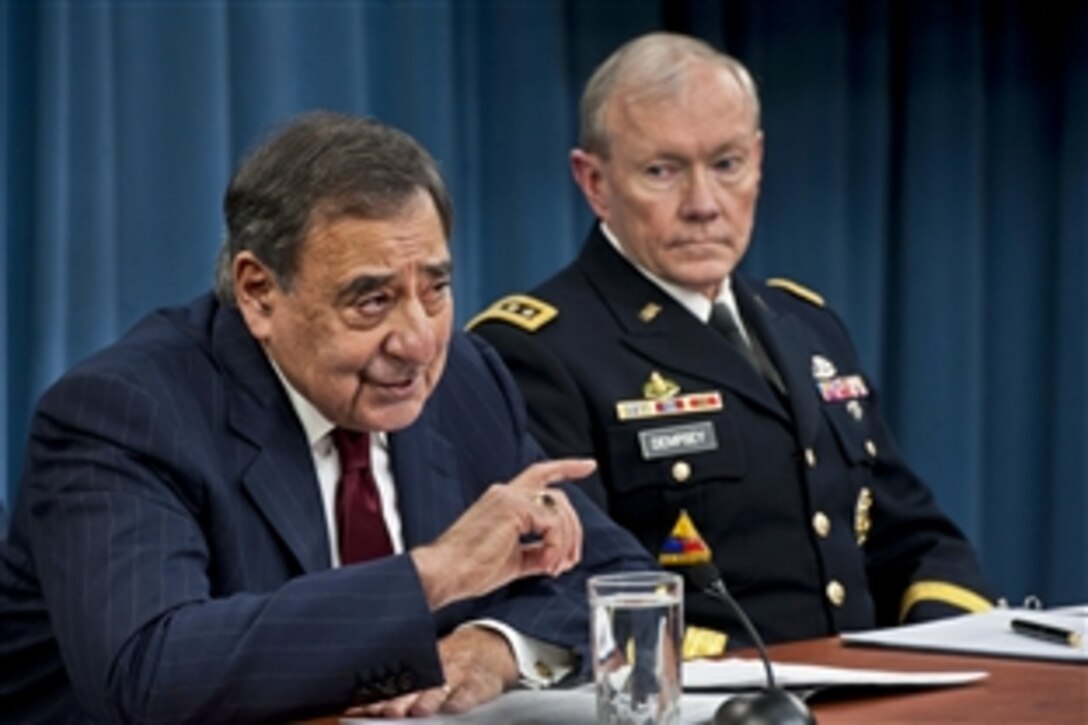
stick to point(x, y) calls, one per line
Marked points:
point(797, 290)
point(528, 313)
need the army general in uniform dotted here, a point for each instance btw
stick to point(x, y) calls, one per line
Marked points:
point(728, 415)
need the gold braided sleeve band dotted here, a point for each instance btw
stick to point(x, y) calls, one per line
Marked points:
point(957, 596)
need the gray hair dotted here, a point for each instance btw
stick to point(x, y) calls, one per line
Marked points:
point(655, 64)
point(320, 166)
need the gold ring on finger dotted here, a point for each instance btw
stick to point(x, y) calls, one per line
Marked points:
point(546, 500)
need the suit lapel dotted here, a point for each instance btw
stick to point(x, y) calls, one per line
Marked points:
point(673, 337)
point(279, 476)
point(424, 468)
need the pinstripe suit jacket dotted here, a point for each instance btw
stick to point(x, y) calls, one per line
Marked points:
point(168, 556)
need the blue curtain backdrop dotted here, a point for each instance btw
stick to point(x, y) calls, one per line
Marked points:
point(926, 170)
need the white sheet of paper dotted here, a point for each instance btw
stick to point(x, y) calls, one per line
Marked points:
point(551, 707)
point(986, 633)
point(738, 673)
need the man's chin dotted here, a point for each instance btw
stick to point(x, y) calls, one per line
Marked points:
point(704, 279)
point(389, 417)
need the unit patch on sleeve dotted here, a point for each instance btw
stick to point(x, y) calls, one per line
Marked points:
point(684, 545)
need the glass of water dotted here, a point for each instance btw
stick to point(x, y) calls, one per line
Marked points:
point(636, 624)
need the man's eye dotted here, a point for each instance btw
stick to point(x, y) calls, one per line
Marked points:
point(659, 172)
point(437, 290)
point(374, 304)
point(730, 165)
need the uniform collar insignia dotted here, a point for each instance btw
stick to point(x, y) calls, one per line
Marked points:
point(649, 312)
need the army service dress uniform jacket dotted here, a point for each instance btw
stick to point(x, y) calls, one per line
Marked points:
point(168, 559)
point(814, 521)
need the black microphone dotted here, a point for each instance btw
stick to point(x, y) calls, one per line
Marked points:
point(771, 705)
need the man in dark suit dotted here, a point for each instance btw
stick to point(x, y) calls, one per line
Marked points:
point(730, 417)
point(280, 500)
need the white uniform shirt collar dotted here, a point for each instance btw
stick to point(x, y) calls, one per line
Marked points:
point(694, 302)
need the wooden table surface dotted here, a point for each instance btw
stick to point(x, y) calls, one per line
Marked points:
point(1017, 690)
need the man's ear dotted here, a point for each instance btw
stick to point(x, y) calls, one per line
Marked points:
point(588, 174)
point(255, 292)
point(757, 153)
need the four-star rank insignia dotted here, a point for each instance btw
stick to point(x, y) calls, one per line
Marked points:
point(684, 545)
point(528, 313)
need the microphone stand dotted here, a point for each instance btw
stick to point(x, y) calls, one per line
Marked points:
point(773, 706)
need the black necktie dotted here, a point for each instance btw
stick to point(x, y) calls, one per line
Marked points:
point(722, 320)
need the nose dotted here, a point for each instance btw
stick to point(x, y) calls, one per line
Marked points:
point(699, 202)
point(412, 339)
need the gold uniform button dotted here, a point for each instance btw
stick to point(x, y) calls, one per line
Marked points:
point(870, 448)
point(810, 457)
point(821, 524)
point(681, 471)
point(836, 593)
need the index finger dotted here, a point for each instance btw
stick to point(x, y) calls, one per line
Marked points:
point(545, 473)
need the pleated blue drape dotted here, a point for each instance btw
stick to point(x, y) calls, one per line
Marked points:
point(926, 170)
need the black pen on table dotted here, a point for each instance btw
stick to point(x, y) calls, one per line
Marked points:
point(1046, 632)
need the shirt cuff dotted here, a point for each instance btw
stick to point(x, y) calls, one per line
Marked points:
point(540, 664)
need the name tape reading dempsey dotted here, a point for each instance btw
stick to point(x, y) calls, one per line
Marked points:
point(676, 439)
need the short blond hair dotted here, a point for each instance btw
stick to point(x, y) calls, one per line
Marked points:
point(655, 64)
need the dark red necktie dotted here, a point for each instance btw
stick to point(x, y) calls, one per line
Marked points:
point(359, 523)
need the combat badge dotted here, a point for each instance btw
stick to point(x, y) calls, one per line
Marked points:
point(659, 388)
point(862, 518)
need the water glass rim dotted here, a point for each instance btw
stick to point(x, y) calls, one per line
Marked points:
point(634, 577)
